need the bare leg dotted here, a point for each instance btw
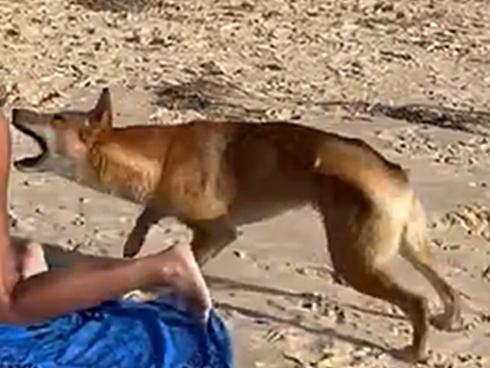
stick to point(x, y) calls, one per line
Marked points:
point(56, 292)
point(31, 261)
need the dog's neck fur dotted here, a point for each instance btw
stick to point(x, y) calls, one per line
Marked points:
point(109, 168)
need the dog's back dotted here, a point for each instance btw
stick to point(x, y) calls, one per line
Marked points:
point(234, 164)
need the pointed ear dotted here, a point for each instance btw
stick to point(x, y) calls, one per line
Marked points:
point(101, 115)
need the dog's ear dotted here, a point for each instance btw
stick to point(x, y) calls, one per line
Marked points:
point(101, 115)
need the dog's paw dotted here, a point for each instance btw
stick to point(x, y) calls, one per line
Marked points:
point(412, 354)
point(445, 322)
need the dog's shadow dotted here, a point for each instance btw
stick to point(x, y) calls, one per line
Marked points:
point(217, 282)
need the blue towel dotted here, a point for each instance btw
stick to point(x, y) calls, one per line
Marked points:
point(119, 334)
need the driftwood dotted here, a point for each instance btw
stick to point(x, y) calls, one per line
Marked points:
point(470, 121)
point(214, 97)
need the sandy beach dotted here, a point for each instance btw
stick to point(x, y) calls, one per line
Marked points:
point(412, 78)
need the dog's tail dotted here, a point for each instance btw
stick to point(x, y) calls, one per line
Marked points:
point(414, 236)
point(415, 249)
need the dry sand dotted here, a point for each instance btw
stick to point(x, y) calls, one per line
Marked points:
point(168, 61)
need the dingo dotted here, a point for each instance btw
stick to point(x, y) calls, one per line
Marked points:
point(214, 176)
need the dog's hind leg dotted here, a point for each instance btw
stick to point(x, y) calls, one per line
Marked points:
point(373, 280)
point(362, 238)
point(377, 283)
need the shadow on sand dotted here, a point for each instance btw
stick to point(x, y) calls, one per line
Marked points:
point(464, 120)
point(119, 5)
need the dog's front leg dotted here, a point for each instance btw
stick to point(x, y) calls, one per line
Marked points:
point(209, 237)
point(137, 236)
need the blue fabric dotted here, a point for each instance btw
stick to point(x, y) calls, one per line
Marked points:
point(124, 334)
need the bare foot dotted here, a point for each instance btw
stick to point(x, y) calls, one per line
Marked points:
point(181, 272)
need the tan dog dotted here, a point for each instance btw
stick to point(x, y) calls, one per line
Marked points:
point(214, 176)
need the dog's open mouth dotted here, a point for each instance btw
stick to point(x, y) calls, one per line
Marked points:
point(27, 163)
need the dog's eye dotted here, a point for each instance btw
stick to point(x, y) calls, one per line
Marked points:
point(58, 117)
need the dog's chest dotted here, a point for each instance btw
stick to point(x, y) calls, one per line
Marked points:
point(133, 178)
